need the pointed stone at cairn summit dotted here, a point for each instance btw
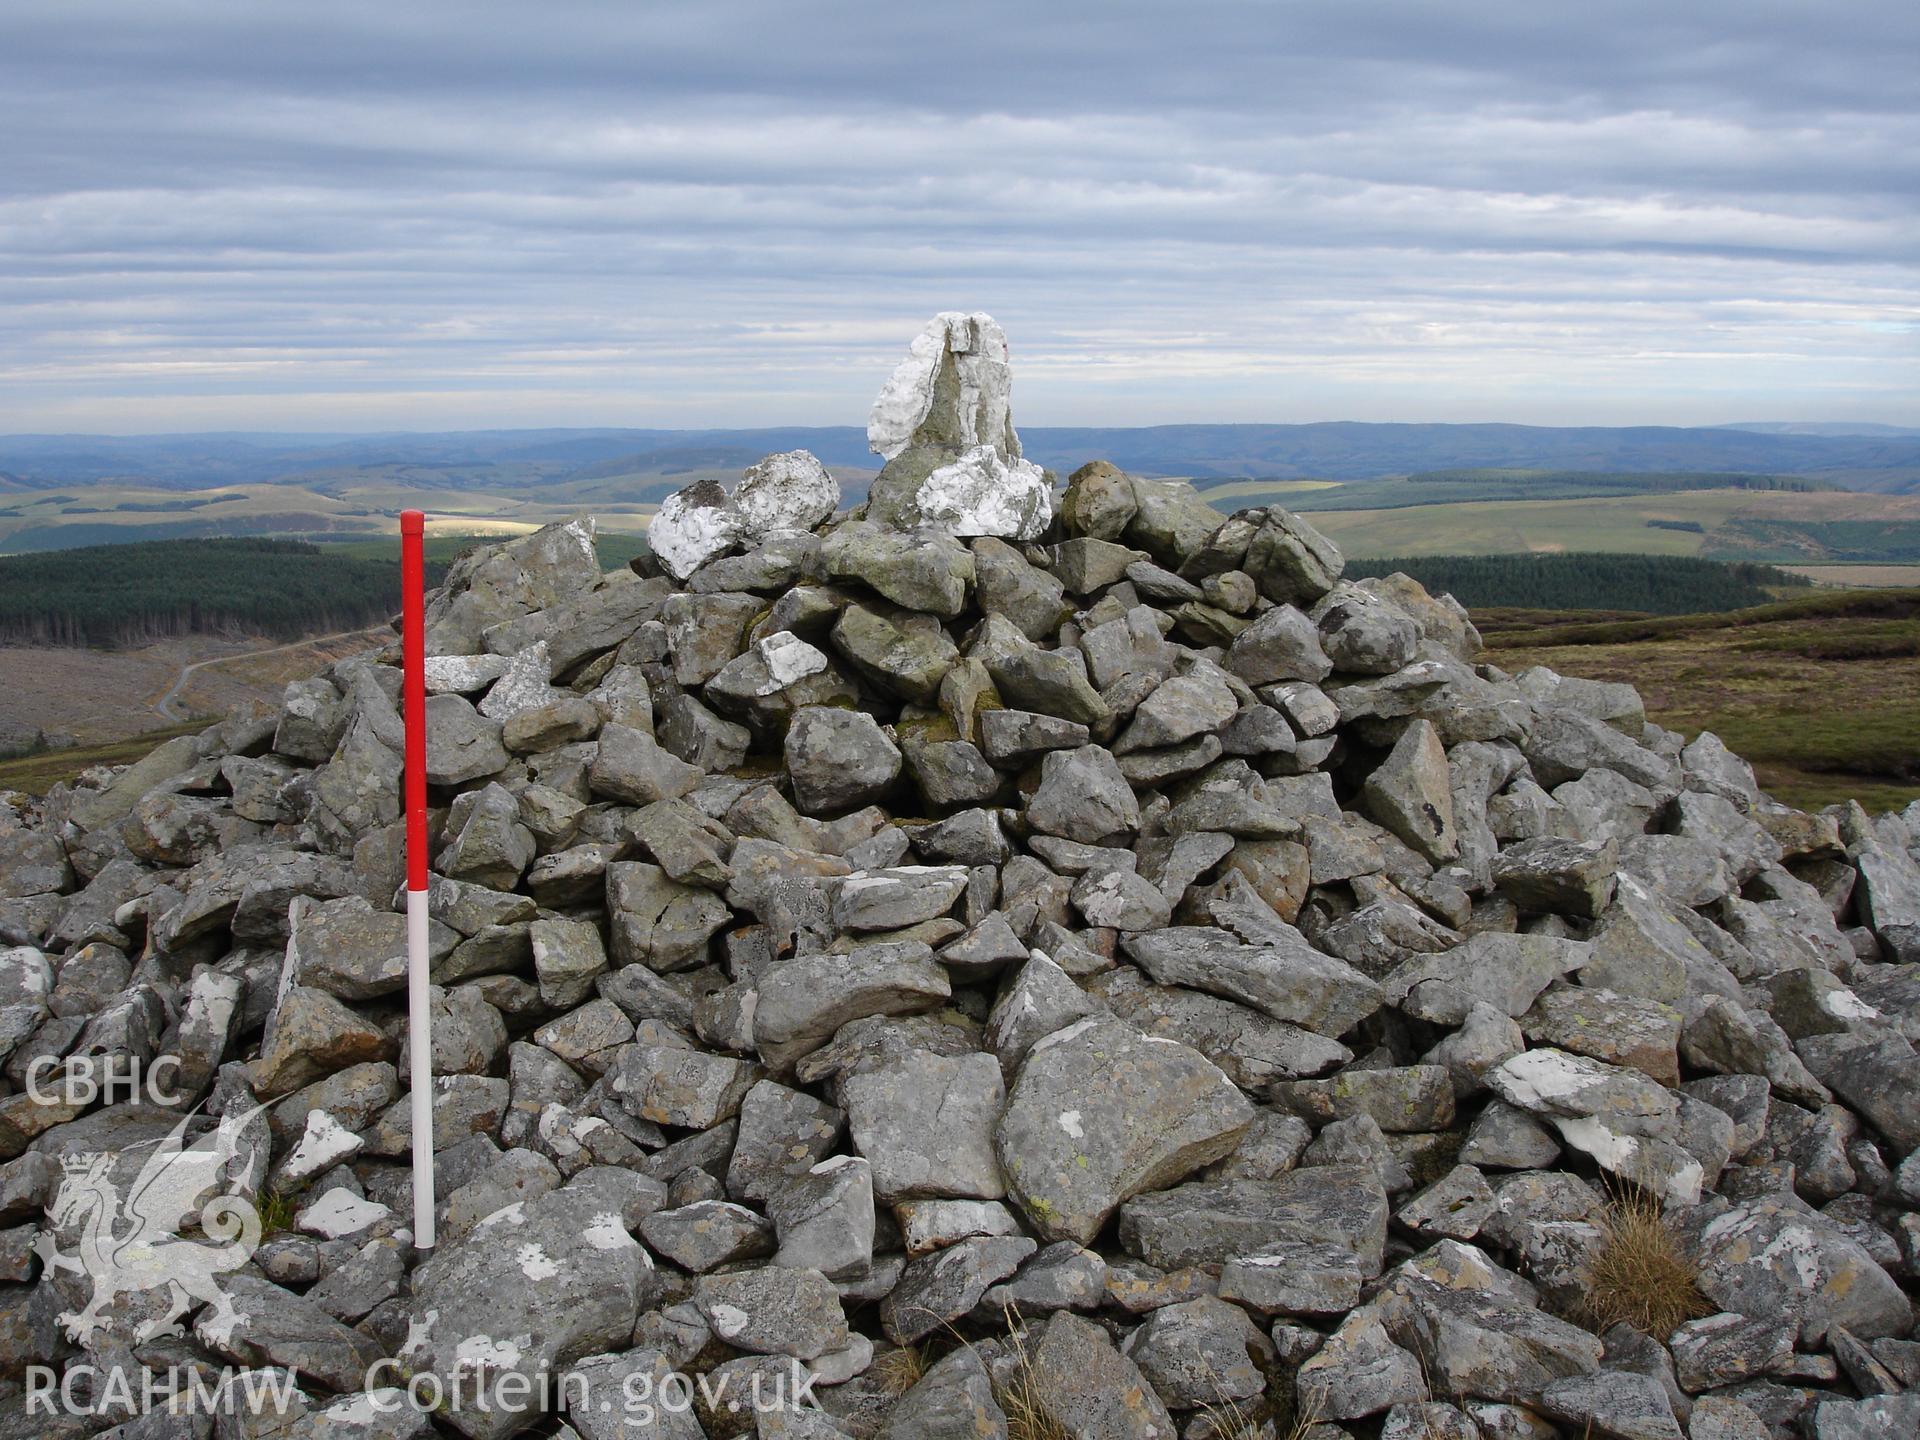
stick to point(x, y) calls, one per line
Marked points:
point(944, 424)
point(874, 936)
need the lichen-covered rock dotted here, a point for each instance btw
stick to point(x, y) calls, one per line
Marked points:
point(533, 1287)
point(1099, 1113)
point(1092, 1388)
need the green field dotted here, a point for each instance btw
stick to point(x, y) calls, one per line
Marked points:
point(1727, 521)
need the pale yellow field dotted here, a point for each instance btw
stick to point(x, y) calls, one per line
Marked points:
point(1234, 489)
point(1860, 577)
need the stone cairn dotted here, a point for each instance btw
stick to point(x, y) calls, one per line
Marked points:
point(979, 955)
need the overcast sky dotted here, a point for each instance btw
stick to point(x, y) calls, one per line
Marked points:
point(344, 215)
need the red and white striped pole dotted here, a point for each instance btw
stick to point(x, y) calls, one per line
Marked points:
point(413, 655)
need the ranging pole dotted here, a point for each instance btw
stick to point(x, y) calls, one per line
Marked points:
point(413, 652)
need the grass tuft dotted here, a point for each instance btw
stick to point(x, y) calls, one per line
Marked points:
point(276, 1213)
point(1641, 1275)
point(1022, 1396)
point(898, 1371)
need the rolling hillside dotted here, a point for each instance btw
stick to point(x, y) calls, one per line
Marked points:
point(1337, 450)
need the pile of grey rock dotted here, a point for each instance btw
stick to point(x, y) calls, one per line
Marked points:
point(981, 944)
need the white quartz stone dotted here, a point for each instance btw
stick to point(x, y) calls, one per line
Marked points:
point(692, 528)
point(982, 494)
point(463, 674)
point(979, 349)
point(339, 1213)
point(789, 491)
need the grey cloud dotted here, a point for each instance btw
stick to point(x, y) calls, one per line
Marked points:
point(735, 213)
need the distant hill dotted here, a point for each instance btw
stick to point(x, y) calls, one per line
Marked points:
point(1884, 459)
point(1820, 427)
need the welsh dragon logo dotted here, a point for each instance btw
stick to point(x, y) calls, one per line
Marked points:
point(130, 1244)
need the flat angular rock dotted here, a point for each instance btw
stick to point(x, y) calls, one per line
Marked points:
point(1202, 1352)
point(1411, 795)
point(774, 1311)
point(825, 1219)
point(1726, 1349)
point(688, 1088)
point(901, 651)
point(1479, 1343)
point(1052, 682)
point(895, 898)
point(1289, 560)
point(531, 1287)
point(1007, 585)
point(1013, 736)
point(630, 766)
point(1083, 796)
point(1399, 1098)
point(688, 845)
point(1555, 1083)
point(1178, 710)
point(939, 1288)
point(925, 572)
point(1890, 900)
point(839, 760)
point(568, 955)
point(462, 744)
point(803, 1002)
point(1295, 1277)
point(929, 1225)
point(926, 1124)
point(1614, 1404)
point(1773, 1257)
point(1359, 1371)
point(1092, 1388)
point(1455, 1206)
point(351, 950)
point(1120, 900)
point(309, 1035)
point(267, 1325)
point(1171, 520)
point(1289, 980)
point(1875, 1074)
point(1282, 644)
point(1558, 877)
point(655, 921)
point(952, 1401)
point(1868, 1419)
point(1210, 1222)
point(1618, 1029)
point(1100, 1113)
point(783, 1134)
point(1085, 564)
point(706, 1234)
point(621, 1397)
